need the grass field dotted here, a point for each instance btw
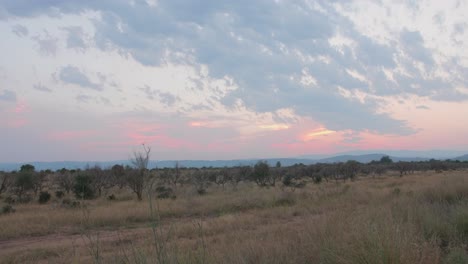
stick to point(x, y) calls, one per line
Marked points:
point(419, 218)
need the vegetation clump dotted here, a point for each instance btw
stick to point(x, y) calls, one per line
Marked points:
point(8, 209)
point(44, 197)
point(83, 187)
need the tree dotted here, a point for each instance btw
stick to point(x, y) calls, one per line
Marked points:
point(137, 178)
point(350, 169)
point(175, 176)
point(101, 179)
point(24, 182)
point(118, 173)
point(65, 179)
point(222, 177)
point(5, 181)
point(402, 167)
point(83, 187)
point(261, 173)
point(200, 179)
point(386, 159)
point(27, 168)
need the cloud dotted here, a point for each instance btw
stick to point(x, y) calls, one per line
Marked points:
point(267, 48)
point(83, 98)
point(47, 43)
point(7, 95)
point(20, 30)
point(165, 98)
point(413, 44)
point(423, 107)
point(42, 88)
point(76, 38)
point(73, 75)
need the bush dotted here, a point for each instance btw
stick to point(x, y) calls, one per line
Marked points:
point(44, 197)
point(317, 179)
point(7, 209)
point(24, 182)
point(165, 192)
point(59, 194)
point(83, 187)
point(288, 180)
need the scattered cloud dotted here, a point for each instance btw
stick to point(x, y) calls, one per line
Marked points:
point(73, 75)
point(165, 98)
point(8, 95)
point(423, 107)
point(20, 31)
point(47, 44)
point(76, 38)
point(42, 88)
point(83, 98)
point(311, 75)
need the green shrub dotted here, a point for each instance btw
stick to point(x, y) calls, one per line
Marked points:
point(44, 197)
point(83, 187)
point(165, 192)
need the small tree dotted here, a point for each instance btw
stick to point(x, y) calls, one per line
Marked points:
point(200, 180)
point(65, 179)
point(222, 177)
point(350, 169)
point(175, 175)
point(136, 179)
point(27, 168)
point(5, 181)
point(386, 160)
point(83, 187)
point(261, 173)
point(24, 182)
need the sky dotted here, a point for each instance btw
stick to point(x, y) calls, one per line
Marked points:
point(218, 79)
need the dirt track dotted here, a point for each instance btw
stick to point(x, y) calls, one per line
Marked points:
point(68, 240)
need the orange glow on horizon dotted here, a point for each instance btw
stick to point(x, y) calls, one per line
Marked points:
point(320, 132)
point(275, 127)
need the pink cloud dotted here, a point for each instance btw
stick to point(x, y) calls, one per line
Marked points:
point(21, 107)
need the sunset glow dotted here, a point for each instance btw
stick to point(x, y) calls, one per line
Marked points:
point(321, 132)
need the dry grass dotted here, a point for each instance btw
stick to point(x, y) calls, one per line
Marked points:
point(420, 218)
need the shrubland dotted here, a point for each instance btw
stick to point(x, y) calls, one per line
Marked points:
point(381, 212)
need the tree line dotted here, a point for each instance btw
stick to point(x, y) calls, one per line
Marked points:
point(92, 182)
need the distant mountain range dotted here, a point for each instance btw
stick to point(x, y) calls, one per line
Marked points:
point(462, 158)
point(307, 160)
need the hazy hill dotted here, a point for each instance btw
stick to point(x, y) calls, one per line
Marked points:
point(462, 158)
point(364, 158)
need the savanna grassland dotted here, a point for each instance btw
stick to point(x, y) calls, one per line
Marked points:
point(417, 218)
